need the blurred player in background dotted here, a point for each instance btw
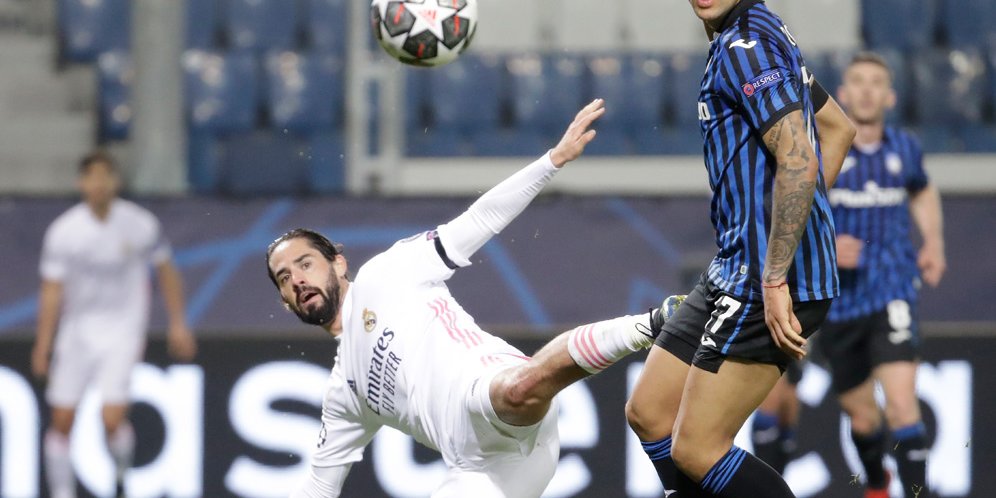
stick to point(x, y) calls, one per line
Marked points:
point(95, 290)
point(411, 358)
point(773, 428)
point(871, 334)
point(770, 285)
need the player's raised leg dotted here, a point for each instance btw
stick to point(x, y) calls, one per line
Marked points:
point(521, 395)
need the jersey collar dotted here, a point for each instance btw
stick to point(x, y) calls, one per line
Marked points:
point(738, 11)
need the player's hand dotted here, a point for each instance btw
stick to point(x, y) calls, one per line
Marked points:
point(848, 251)
point(932, 264)
point(39, 361)
point(181, 343)
point(577, 135)
point(782, 323)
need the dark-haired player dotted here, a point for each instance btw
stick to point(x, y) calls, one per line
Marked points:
point(411, 358)
point(871, 332)
point(770, 137)
point(95, 290)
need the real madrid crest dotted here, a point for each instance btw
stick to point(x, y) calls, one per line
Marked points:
point(369, 320)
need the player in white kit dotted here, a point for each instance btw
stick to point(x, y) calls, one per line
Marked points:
point(409, 357)
point(95, 290)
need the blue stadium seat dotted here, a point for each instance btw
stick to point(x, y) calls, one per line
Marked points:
point(262, 163)
point(949, 87)
point(326, 24)
point(979, 139)
point(938, 139)
point(203, 150)
point(201, 17)
point(510, 142)
point(416, 98)
point(465, 95)
point(968, 23)
point(261, 24)
point(545, 92)
point(222, 91)
point(898, 24)
point(326, 158)
point(633, 89)
point(684, 78)
point(89, 27)
point(680, 140)
point(114, 78)
point(430, 142)
point(306, 91)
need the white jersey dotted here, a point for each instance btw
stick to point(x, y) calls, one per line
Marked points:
point(406, 356)
point(103, 266)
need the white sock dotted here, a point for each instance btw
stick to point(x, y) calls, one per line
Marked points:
point(58, 466)
point(121, 443)
point(597, 345)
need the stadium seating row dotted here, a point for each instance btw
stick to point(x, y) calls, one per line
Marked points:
point(89, 28)
point(450, 110)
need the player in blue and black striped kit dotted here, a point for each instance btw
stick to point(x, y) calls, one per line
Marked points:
point(871, 330)
point(773, 141)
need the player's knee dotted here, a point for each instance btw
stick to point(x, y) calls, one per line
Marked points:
point(649, 425)
point(901, 411)
point(517, 396)
point(62, 421)
point(694, 458)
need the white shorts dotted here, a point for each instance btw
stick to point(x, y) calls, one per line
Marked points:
point(77, 363)
point(498, 460)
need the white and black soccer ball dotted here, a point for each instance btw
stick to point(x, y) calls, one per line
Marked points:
point(424, 32)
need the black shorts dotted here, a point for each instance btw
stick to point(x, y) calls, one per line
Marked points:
point(793, 372)
point(853, 348)
point(711, 325)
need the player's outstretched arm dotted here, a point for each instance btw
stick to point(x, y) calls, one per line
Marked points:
point(494, 210)
point(836, 134)
point(791, 202)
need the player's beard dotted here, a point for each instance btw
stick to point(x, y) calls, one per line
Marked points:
point(326, 311)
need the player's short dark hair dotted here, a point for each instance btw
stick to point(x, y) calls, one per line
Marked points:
point(328, 249)
point(869, 57)
point(98, 156)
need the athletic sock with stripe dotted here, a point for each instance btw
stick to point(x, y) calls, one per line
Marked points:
point(596, 346)
point(741, 475)
point(910, 452)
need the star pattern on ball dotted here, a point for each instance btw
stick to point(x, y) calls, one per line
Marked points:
point(430, 16)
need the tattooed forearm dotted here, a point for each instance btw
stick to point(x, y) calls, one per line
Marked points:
point(792, 194)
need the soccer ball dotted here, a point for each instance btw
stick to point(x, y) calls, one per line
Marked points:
point(424, 32)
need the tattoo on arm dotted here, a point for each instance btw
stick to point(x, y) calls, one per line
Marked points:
point(792, 194)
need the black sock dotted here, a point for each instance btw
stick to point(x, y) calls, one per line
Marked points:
point(871, 451)
point(910, 452)
point(787, 445)
point(673, 480)
point(741, 475)
point(765, 436)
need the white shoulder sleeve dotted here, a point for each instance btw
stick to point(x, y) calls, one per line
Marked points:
point(54, 264)
point(323, 482)
point(494, 210)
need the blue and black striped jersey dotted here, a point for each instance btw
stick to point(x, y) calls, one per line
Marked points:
point(755, 76)
point(871, 202)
